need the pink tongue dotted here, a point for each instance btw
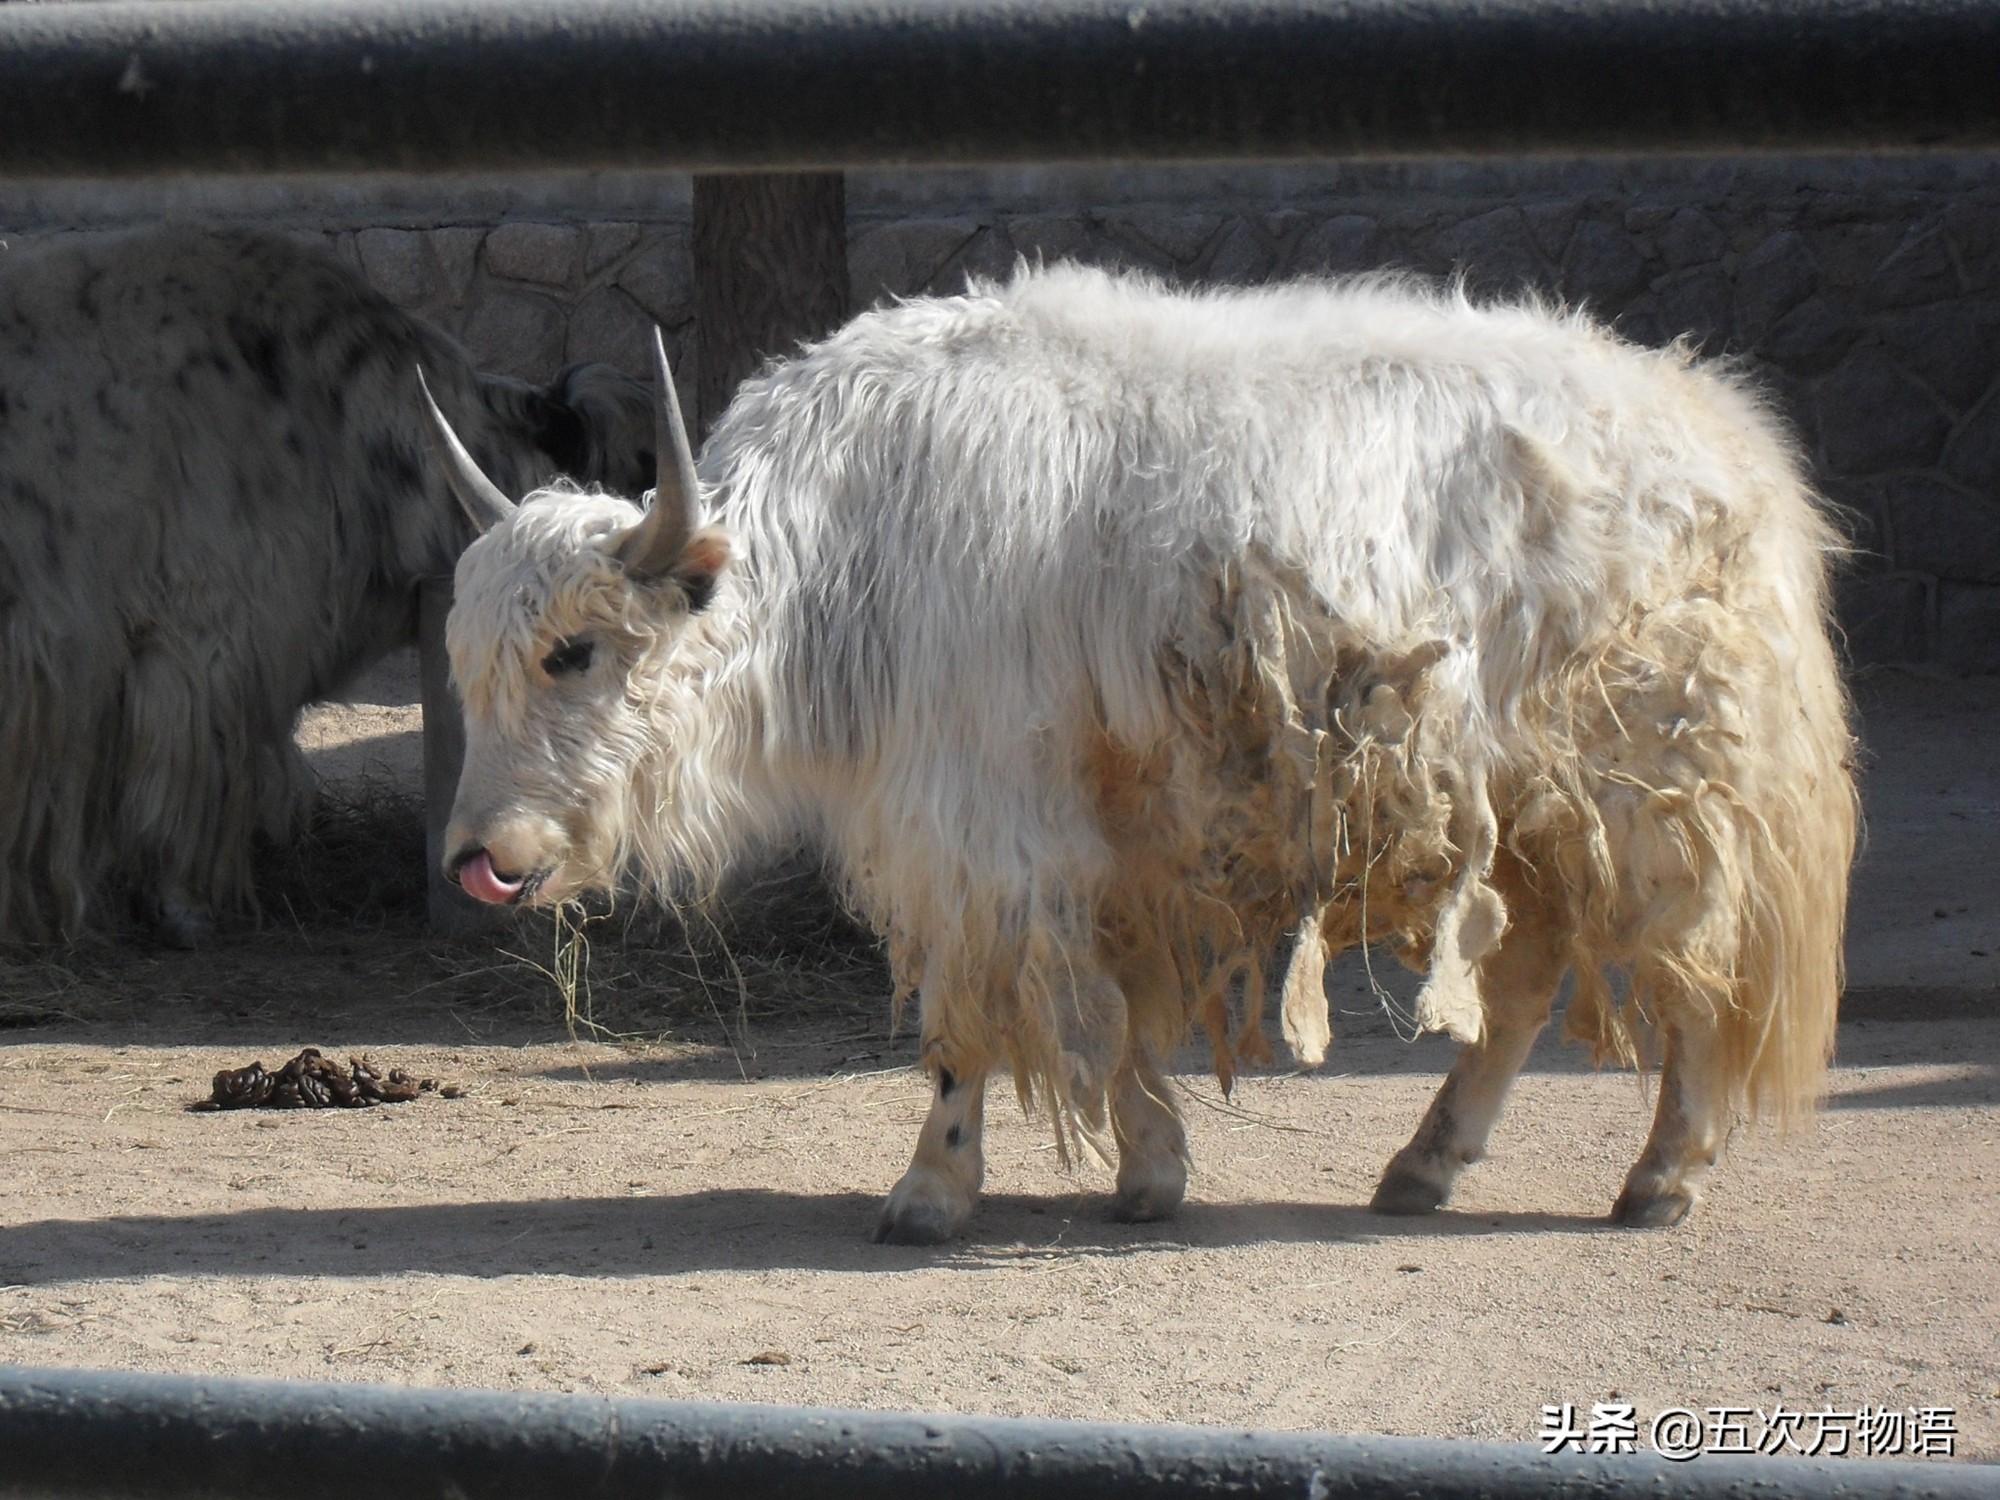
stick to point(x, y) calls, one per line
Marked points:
point(479, 879)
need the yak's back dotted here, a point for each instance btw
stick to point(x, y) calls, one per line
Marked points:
point(209, 383)
point(1075, 462)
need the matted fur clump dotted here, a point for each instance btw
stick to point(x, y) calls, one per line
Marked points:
point(215, 502)
point(1105, 636)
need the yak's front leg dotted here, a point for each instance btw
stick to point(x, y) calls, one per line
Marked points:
point(1152, 1143)
point(1517, 985)
point(1145, 1121)
point(1690, 1126)
point(935, 1196)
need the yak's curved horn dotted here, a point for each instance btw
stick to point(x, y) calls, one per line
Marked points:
point(655, 544)
point(482, 498)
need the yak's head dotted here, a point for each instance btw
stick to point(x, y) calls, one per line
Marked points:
point(592, 422)
point(568, 607)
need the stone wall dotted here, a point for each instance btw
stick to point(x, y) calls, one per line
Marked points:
point(530, 275)
point(1865, 292)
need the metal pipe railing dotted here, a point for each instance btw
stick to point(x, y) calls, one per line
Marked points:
point(68, 1434)
point(212, 86)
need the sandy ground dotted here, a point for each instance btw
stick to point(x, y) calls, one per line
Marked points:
point(688, 1215)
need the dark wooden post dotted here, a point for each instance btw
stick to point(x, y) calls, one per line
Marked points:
point(451, 911)
point(770, 270)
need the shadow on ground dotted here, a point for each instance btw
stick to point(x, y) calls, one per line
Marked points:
point(730, 1229)
point(1978, 1084)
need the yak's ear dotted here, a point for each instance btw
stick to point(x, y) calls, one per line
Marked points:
point(654, 547)
point(481, 497)
point(559, 432)
point(699, 566)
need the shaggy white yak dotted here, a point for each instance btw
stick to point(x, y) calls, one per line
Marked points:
point(1102, 635)
point(214, 507)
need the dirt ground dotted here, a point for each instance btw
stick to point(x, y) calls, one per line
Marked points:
point(681, 1207)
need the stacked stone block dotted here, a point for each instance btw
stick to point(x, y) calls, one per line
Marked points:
point(528, 297)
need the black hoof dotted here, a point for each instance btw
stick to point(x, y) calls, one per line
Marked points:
point(917, 1224)
point(1404, 1192)
point(1144, 1207)
point(1655, 1211)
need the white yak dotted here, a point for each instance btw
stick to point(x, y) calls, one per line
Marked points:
point(1102, 635)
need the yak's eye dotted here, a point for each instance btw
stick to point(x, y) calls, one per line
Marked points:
point(569, 657)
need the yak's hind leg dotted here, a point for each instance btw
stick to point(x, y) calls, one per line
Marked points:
point(1690, 1125)
point(1517, 985)
point(1145, 1121)
point(934, 1198)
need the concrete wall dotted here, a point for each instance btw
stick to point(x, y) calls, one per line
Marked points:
point(1865, 291)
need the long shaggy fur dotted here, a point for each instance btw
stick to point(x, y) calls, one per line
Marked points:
point(1081, 622)
point(215, 498)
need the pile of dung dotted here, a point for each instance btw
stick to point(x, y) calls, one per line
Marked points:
point(313, 1081)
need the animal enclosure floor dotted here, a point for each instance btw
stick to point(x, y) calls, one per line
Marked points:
point(687, 1214)
point(641, 1221)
